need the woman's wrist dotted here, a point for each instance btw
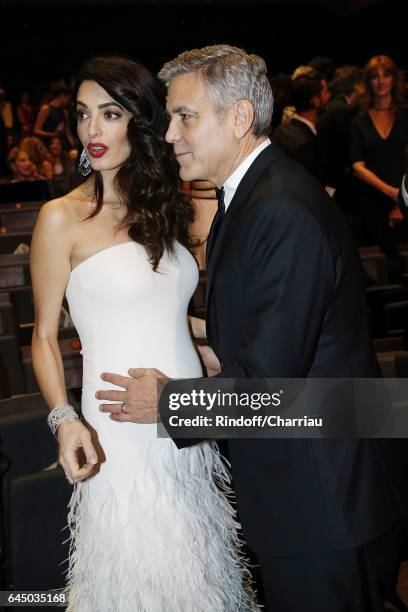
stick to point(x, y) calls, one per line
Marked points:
point(392, 192)
point(61, 414)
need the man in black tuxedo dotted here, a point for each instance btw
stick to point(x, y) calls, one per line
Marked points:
point(298, 135)
point(285, 299)
point(333, 128)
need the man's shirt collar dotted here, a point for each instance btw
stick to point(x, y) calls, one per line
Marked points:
point(232, 182)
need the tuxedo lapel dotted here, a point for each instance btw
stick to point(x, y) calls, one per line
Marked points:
point(236, 208)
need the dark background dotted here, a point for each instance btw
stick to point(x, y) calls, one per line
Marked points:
point(43, 41)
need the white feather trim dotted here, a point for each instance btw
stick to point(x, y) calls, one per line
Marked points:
point(172, 545)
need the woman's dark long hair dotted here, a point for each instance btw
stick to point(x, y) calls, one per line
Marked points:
point(147, 183)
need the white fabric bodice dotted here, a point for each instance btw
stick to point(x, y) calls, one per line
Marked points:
point(126, 314)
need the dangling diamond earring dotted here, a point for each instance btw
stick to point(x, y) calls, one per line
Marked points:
point(84, 165)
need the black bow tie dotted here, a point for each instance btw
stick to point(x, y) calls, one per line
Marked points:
point(220, 193)
point(216, 222)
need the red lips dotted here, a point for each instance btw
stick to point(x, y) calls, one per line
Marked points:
point(96, 149)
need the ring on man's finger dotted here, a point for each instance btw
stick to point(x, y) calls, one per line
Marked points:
point(123, 408)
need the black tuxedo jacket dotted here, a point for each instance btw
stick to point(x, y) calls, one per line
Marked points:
point(333, 129)
point(298, 140)
point(285, 299)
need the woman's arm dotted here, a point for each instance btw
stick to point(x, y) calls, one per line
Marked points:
point(39, 122)
point(198, 328)
point(50, 269)
point(22, 119)
point(46, 170)
point(367, 176)
point(68, 134)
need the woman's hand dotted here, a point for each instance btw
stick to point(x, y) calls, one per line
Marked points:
point(210, 360)
point(367, 176)
point(392, 192)
point(395, 216)
point(72, 437)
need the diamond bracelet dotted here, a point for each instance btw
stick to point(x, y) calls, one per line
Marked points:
point(61, 414)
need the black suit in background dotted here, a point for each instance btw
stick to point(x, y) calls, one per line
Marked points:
point(298, 141)
point(286, 299)
point(333, 128)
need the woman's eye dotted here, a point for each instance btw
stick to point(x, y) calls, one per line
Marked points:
point(112, 115)
point(80, 115)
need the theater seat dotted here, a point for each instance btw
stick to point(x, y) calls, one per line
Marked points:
point(7, 322)
point(14, 271)
point(377, 297)
point(25, 438)
point(24, 191)
point(27, 445)
point(375, 268)
point(11, 377)
point(37, 518)
point(396, 317)
point(384, 345)
point(393, 364)
point(10, 241)
point(18, 218)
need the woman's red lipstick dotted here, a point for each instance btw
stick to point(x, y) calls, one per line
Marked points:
point(96, 149)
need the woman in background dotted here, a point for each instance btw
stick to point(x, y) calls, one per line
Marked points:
point(23, 169)
point(25, 114)
point(39, 154)
point(61, 161)
point(379, 140)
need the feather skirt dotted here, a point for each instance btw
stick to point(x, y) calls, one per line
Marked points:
point(167, 542)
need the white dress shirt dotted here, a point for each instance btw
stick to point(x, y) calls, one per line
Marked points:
point(404, 193)
point(309, 124)
point(232, 182)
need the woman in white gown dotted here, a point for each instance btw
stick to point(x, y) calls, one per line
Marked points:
point(152, 529)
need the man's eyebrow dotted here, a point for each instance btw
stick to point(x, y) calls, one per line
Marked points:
point(104, 105)
point(184, 109)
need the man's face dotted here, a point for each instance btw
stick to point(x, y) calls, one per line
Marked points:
point(203, 141)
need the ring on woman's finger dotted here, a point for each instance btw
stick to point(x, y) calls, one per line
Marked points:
point(123, 408)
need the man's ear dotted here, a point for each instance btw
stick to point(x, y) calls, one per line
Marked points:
point(243, 118)
point(316, 100)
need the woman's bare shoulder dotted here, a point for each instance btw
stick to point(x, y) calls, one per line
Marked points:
point(67, 209)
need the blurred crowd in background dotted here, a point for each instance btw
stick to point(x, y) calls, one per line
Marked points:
point(36, 139)
point(348, 125)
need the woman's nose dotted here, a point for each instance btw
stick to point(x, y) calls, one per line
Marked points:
point(94, 127)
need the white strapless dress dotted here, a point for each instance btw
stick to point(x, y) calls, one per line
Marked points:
point(153, 530)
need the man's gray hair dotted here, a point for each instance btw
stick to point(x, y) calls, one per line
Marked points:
point(231, 75)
